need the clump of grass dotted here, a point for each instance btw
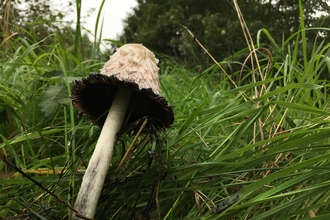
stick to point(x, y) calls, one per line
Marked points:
point(263, 146)
point(256, 149)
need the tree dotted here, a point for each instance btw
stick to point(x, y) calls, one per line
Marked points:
point(29, 18)
point(40, 21)
point(214, 23)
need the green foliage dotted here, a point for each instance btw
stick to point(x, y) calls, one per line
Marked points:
point(34, 21)
point(52, 98)
point(215, 24)
point(255, 150)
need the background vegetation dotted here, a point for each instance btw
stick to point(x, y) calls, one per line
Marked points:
point(215, 24)
point(252, 144)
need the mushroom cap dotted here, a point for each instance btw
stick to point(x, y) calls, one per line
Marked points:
point(134, 63)
point(132, 66)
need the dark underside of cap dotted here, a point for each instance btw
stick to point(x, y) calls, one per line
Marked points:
point(93, 96)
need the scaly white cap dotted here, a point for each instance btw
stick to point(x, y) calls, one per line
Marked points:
point(134, 63)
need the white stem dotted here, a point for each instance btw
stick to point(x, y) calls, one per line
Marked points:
point(99, 163)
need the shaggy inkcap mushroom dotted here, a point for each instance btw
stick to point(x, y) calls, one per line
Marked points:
point(132, 66)
point(126, 90)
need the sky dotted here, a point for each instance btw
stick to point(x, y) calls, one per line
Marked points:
point(114, 11)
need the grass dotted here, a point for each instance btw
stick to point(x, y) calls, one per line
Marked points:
point(255, 150)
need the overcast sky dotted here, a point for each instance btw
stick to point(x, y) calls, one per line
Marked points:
point(114, 11)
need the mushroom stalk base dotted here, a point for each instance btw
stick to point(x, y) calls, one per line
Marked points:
point(99, 163)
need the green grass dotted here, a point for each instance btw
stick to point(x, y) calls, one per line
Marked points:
point(257, 150)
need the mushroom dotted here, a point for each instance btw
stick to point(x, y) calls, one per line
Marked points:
point(127, 85)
